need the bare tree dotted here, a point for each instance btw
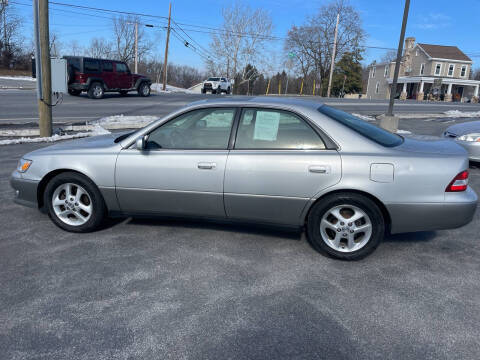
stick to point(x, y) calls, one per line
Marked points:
point(100, 48)
point(240, 40)
point(389, 56)
point(11, 39)
point(312, 42)
point(56, 46)
point(124, 39)
point(74, 48)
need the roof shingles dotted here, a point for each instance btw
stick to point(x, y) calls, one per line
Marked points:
point(445, 52)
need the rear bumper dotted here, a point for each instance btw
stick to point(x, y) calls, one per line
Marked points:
point(78, 87)
point(25, 190)
point(433, 216)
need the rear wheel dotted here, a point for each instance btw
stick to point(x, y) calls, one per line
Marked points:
point(144, 89)
point(74, 203)
point(347, 226)
point(96, 91)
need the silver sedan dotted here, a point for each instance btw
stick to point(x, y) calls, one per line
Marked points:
point(466, 134)
point(275, 161)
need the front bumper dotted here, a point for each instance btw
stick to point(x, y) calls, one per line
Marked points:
point(25, 190)
point(450, 214)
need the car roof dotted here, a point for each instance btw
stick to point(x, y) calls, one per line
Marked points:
point(251, 101)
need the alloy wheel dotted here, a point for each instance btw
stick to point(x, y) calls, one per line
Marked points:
point(72, 204)
point(346, 228)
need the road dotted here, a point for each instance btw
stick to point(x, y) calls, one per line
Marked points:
point(162, 289)
point(20, 106)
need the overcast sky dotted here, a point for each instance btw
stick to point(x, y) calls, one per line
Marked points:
point(436, 22)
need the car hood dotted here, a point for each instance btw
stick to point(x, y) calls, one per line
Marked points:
point(87, 144)
point(464, 128)
point(433, 146)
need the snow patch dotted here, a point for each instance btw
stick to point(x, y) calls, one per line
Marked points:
point(125, 122)
point(157, 87)
point(97, 130)
point(23, 78)
point(462, 114)
point(405, 132)
point(364, 117)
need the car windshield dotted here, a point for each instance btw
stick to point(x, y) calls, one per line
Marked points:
point(370, 131)
point(213, 79)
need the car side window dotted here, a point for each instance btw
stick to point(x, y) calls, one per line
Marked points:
point(91, 66)
point(198, 129)
point(275, 130)
point(121, 67)
point(107, 66)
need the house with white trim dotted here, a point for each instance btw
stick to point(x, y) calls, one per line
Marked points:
point(427, 72)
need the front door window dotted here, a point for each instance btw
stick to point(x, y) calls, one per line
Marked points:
point(199, 129)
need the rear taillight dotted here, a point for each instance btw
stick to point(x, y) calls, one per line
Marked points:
point(459, 182)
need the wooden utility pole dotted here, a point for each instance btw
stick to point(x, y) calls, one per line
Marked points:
point(136, 47)
point(166, 49)
point(45, 101)
point(393, 91)
point(332, 65)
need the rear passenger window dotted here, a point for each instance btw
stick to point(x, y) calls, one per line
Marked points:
point(91, 66)
point(276, 130)
point(107, 66)
point(121, 67)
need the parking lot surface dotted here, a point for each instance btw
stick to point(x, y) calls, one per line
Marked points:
point(179, 289)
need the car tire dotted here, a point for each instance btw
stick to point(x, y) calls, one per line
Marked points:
point(123, 92)
point(74, 92)
point(228, 91)
point(144, 90)
point(219, 90)
point(340, 238)
point(96, 91)
point(204, 91)
point(82, 213)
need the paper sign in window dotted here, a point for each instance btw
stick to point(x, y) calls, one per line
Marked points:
point(266, 125)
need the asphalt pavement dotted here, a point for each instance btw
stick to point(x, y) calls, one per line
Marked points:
point(163, 289)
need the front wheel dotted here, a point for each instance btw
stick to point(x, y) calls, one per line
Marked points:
point(228, 91)
point(144, 90)
point(74, 203)
point(346, 226)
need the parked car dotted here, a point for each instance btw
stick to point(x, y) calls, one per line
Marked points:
point(98, 76)
point(287, 162)
point(216, 85)
point(467, 135)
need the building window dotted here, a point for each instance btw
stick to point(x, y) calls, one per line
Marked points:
point(463, 73)
point(377, 86)
point(422, 69)
point(373, 71)
point(451, 69)
point(416, 52)
point(386, 71)
point(438, 69)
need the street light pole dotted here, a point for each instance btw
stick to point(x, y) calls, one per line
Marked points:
point(166, 49)
point(332, 65)
point(389, 122)
point(136, 47)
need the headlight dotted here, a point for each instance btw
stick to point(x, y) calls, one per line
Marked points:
point(23, 165)
point(470, 137)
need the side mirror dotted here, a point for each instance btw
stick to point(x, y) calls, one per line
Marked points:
point(141, 143)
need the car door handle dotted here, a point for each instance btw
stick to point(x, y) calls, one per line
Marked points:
point(319, 169)
point(206, 165)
